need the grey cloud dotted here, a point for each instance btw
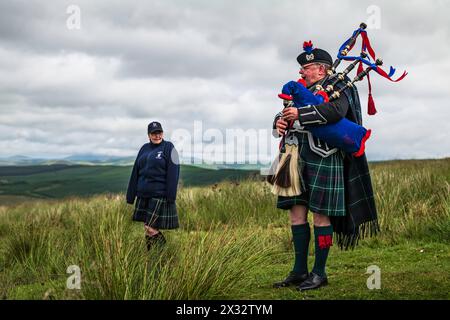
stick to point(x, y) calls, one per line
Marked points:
point(220, 62)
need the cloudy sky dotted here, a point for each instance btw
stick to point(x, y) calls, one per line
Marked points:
point(91, 85)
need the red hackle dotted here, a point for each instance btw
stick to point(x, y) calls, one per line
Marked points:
point(307, 46)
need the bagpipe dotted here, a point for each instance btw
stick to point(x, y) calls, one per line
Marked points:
point(345, 135)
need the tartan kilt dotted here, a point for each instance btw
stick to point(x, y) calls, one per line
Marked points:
point(156, 213)
point(323, 180)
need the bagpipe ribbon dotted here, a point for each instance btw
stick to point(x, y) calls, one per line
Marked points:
point(366, 46)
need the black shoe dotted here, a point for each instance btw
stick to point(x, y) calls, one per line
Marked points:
point(314, 281)
point(154, 240)
point(293, 279)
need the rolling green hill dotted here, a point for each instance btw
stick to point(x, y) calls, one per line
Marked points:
point(58, 181)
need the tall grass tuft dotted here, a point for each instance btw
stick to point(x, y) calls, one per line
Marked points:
point(234, 204)
point(194, 265)
point(413, 204)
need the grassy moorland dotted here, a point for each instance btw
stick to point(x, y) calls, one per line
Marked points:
point(232, 244)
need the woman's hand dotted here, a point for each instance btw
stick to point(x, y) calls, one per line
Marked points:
point(150, 231)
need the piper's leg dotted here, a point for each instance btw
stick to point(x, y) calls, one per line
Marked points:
point(298, 215)
point(301, 235)
point(323, 234)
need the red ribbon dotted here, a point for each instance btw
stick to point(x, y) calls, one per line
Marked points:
point(366, 44)
point(384, 74)
point(371, 110)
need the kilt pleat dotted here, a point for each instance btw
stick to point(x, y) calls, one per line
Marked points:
point(324, 182)
point(156, 213)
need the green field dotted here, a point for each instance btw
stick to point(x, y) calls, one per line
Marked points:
point(58, 181)
point(232, 244)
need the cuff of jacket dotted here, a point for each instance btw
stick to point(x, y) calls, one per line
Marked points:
point(309, 115)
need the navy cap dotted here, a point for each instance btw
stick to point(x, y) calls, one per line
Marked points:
point(154, 127)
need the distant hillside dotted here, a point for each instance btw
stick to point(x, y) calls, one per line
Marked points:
point(96, 159)
point(58, 180)
point(86, 159)
point(61, 180)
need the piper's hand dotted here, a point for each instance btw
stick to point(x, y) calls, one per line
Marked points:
point(281, 126)
point(290, 114)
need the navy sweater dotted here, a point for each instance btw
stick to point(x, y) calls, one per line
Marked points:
point(154, 172)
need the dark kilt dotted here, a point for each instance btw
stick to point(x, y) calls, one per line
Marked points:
point(156, 213)
point(323, 179)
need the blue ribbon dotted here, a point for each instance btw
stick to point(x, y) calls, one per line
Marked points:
point(359, 58)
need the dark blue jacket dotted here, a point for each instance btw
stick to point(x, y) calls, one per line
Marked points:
point(155, 172)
